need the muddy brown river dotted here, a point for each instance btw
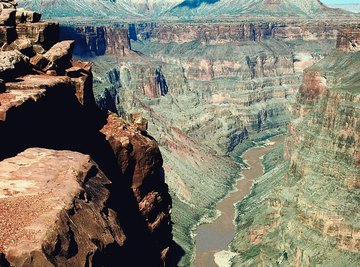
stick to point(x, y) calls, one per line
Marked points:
point(215, 237)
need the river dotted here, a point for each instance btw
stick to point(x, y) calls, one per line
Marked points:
point(215, 237)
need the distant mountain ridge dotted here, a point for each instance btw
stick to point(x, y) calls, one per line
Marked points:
point(182, 9)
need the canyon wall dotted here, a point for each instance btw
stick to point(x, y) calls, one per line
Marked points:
point(238, 90)
point(78, 186)
point(348, 40)
point(304, 211)
point(97, 40)
point(220, 33)
point(237, 81)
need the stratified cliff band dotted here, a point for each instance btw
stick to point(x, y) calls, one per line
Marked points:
point(305, 210)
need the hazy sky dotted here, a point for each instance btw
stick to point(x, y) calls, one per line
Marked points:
point(340, 1)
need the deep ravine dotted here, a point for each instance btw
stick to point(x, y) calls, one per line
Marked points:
point(215, 237)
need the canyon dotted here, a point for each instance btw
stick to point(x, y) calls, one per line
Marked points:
point(208, 80)
point(304, 220)
point(209, 91)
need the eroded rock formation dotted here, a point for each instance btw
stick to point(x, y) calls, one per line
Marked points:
point(98, 40)
point(236, 81)
point(78, 187)
point(348, 40)
point(304, 211)
point(208, 89)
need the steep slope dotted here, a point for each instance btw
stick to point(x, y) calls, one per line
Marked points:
point(304, 211)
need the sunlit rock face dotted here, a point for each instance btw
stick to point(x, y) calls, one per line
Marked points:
point(310, 215)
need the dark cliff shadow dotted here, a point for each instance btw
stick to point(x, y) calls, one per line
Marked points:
point(58, 121)
point(3, 261)
point(176, 254)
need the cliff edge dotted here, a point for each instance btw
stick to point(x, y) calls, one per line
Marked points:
point(78, 187)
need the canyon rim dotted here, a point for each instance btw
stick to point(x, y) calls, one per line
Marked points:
point(124, 123)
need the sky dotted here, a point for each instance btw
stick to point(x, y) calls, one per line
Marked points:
point(341, 1)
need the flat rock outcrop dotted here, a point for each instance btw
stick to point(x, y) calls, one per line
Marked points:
point(72, 195)
point(53, 210)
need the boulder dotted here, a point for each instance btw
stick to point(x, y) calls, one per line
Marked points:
point(38, 49)
point(13, 64)
point(7, 17)
point(24, 45)
point(139, 122)
point(59, 56)
point(39, 62)
point(52, 206)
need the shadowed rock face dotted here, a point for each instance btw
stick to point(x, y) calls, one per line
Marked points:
point(97, 40)
point(103, 194)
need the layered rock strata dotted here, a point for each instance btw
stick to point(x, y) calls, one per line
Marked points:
point(349, 40)
point(103, 194)
point(236, 81)
point(223, 33)
point(97, 40)
point(235, 90)
point(304, 212)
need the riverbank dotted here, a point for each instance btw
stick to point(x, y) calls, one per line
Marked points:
point(215, 237)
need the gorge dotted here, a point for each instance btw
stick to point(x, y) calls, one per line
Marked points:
point(207, 80)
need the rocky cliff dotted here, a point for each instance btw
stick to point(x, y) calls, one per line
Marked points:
point(304, 212)
point(224, 32)
point(78, 187)
point(237, 81)
point(348, 40)
point(236, 88)
point(97, 40)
